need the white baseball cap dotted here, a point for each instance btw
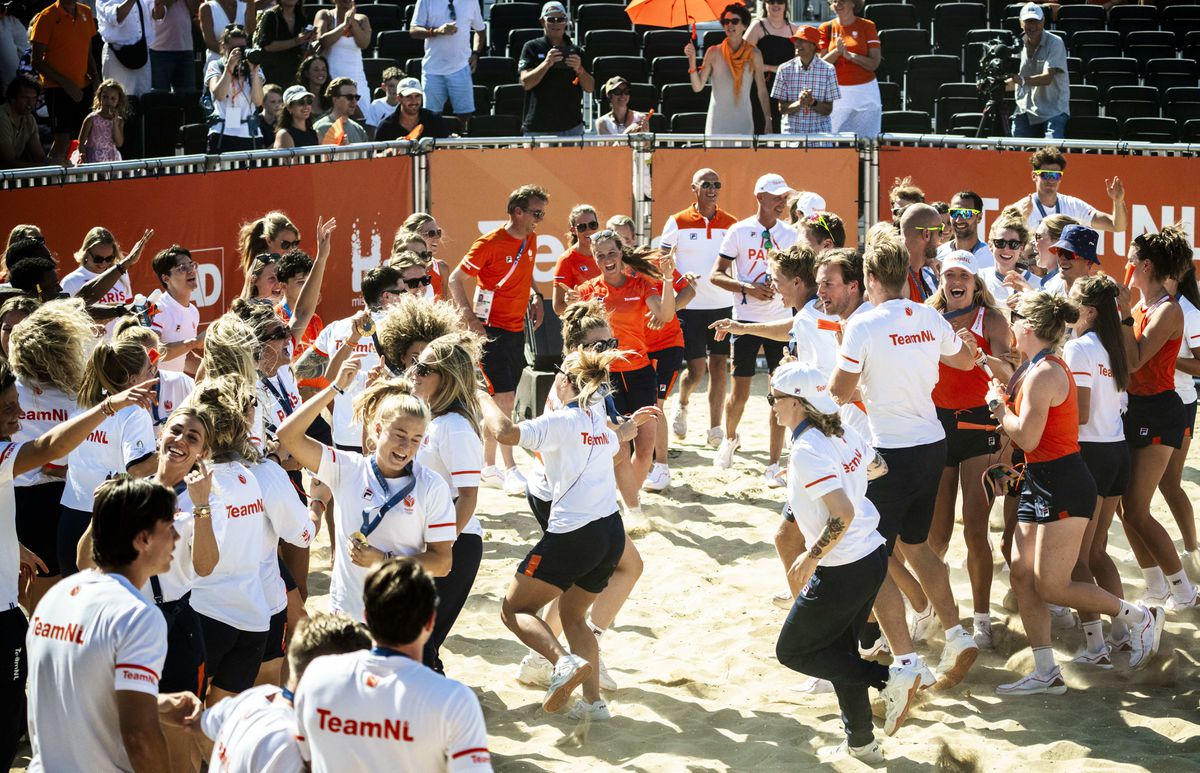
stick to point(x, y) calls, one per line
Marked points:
point(799, 379)
point(295, 94)
point(772, 184)
point(960, 259)
point(808, 202)
point(1032, 11)
point(553, 7)
point(408, 86)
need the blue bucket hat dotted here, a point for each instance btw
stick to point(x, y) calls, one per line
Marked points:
point(1080, 241)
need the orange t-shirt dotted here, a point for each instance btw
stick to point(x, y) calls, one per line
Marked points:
point(861, 37)
point(573, 269)
point(671, 333)
point(627, 309)
point(498, 263)
point(68, 40)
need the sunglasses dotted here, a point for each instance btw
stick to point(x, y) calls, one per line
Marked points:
point(819, 219)
point(707, 185)
point(556, 20)
point(351, 97)
point(730, 22)
point(425, 255)
point(936, 229)
point(619, 93)
point(603, 345)
point(591, 225)
point(538, 214)
point(434, 232)
point(1016, 316)
point(1048, 174)
point(963, 214)
point(421, 281)
point(607, 233)
point(1063, 254)
point(279, 334)
point(774, 398)
point(423, 369)
point(186, 268)
point(1012, 244)
point(302, 101)
point(103, 259)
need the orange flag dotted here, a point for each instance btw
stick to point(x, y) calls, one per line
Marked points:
point(336, 134)
point(416, 133)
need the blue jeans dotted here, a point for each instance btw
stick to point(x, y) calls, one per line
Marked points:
point(456, 87)
point(1053, 129)
point(172, 70)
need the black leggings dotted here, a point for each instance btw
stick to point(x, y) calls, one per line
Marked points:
point(14, 669)
point(453, 590)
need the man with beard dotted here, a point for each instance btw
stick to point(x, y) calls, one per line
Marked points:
point(410, 116)
point(966, 209)
point(921, 228)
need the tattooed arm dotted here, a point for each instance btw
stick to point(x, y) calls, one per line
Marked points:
point(311, 364)
point(841, 513)
point(877, 468)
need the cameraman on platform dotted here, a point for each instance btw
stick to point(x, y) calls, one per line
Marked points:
point(552, 74)
point(1042, 85)
point(236, 86)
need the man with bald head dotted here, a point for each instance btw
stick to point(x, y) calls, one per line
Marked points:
point(921, 229)
point(696, 234)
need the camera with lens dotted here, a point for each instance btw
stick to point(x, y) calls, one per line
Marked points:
point(251, 57)
point(1000, 61)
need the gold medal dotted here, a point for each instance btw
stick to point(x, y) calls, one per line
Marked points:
point(368, 326)
point(358, 538)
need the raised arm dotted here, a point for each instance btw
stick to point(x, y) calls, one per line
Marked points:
point(291, 432)
point(310, 293)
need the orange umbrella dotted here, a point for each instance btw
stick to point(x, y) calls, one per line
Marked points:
point(675, 13)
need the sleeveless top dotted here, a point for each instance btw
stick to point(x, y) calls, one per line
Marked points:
point(1061, 436)
point(303, 138)
point(1157, 374)
point(220, 21)
point(100, 146)
point(729, 113)
point(962, 389)
point(346, 61)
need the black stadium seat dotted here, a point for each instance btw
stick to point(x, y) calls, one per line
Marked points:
point(669, 69)
point(631, 68)
point(923, 77)
point(610, 43)
point(898, 46)
point(656, 43)
point(906, 122)
point(399, 45)
point(1150, 130)
point(508, 99)
point(1164, 74)
point(601, 16)
point(679, 98)
point(688, 123)
point(495, 71)
point(1082, 127)
point(505, 17)
point(1122, 109)
point(494, 126)
point(891, 16)
point(518, 38)
point(952, 22)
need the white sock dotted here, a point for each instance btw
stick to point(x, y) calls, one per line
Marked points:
point(953, 632)
point(1055, 609)
point(595, 629)
point(1129, 614)
point(1093, 634)
point(1043, 660)
point(982, 620)
point(1181, 586)
point(1156, 581)
point(908, 659)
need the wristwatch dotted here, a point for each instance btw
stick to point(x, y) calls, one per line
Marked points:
point(1127, 322)
point(994, 403)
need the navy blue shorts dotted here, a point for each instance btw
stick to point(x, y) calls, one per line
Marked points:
point(1154, 420)
point(233, 655)
point(698, 340)
point(633, 389)
point(745, 354)
point(38, 513)
point(964, 438)
point(503, 359)
point(1055, 490)
point(184, 666)
point(906, 495)
point(586, 557)
point(667, 364)
point(1109, 465)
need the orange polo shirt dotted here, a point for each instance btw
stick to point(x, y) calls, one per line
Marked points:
point(498, 263)
point(861, 37)
point(627, 309)
point(67, 38)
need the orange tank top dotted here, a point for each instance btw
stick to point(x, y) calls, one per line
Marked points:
point(1157, 374)
point(961, 389)
point(1061, 436)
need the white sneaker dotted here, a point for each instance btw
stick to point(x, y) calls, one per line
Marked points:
point(1150, 599)
point(925, 677)
point(514, 482)
point(491, 476)
point(957, 658)
point(592, 711)
point(569, 672)
point(1144, 637)
point(1191, 562)
point(607, 683)
point(815, 686)
point(634, 518)
point(775, 477)
point(1179, 606)
point(535, 671)
point(1099, 659)
point(783, 600)
point(715, 436)
point(658, 478)
point(922, 623)
point(1062, 618)
point(1119, 644)
point(679, 421)
point(1036, 684)
point(724, 457)
point(871, 754)
point(983, 635)
point(898, 695)
point(880, 647)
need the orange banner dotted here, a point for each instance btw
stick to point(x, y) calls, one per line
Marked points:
point(831, 172)
point(203, 212)
point(469, 190)
point(1158, 190)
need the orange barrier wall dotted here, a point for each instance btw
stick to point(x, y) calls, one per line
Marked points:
point(469, 192)
point(203, 212)
point(831, 172)
point(1158, 190)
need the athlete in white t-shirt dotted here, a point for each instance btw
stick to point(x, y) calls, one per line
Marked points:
point(1006, 276)
point(891, 352)
point(966, 212)
point(744, 271)
point(177, 319)
point(103, 273)
point(1049, 167)
point(381, 709)
point(1187, 367)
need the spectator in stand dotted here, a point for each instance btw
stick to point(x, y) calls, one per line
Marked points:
point(237, 91)
point(851, 45)
point(772, 34)
point(172, 61)
point(295, 122)
point(178, 319)
point(729, 110)
point(127, 30)
point(552, 72)
point(806, 87)
point(14, 42)
point(314, 76)
point(342, 34)
point(103, 131)
point(285, 35)
point(450, 54)
point(619, 119)
point(19, 141)
point(411, 117)
point(338, 128)
point(1042, 86)
point(270, 112)
point(381, 109)
point(62, 55)
point(218, 15)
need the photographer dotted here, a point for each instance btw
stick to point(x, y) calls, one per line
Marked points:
point(236, 86)
point(552, 73)
point(1042, 86)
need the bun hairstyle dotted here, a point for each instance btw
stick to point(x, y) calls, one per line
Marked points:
point(1169, 251)
point(383, 402)
point(230, 346)
point(1100, 292)
point(110, 370)
point(1048, 316)
point(410, 320)
point(50, 347)
point(588, 372)
point(1010, 219)
point(225, 401)
point(130, 329)
point(579, 319)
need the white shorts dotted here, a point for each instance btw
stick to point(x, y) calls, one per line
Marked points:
point(860, 110)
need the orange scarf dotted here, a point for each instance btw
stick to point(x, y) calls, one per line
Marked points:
point(737, 61)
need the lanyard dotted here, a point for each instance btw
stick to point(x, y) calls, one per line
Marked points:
point(281, 395)
point(388, 652)
point(1038, 203)
point(516, 262)
point(948, 315)
point(368, 524)
point(799, 430)
point(287, 694)
point(1021, 371)
point(917, 282)
point(157, 400)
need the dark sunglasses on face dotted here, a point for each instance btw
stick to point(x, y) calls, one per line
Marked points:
point(619, 93)
point(603, 345)
point(706, 185)
point(351, 97)
point(434, 232)
point(421, 281)
point(102, 259)
point(302, 101)
point(1012, 244)
point(556, 20)
point(774, 398)
point(730, 22)
point(423, 369)
point(538, 214)
point(591, 225)
point(1048, 174)
point(963, 213)
point(425, 255)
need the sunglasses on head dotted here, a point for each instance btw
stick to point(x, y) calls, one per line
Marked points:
point(1012, 244)
point(710, 184)
point(418, 282)
point(270, 257)
point(590, 225)
point(603, 345)
point(1048, 174)
point(962, 213)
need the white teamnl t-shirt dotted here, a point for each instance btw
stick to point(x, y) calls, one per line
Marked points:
point(453, 450)
point(277, 398)
point(746, 243)
point(121, 440)
point(42, 409)
point(347, 432)
point(819, 465)
point(697, 242)
point(993, 279)
point(174, 323)
point(426, 515)
point(1184, 384)
point(1070, 206)
point(372, 711)
point(10, 551)
point(813, 338)
point(287, 520)
point(172, 389)
point(253, 732)
point(1091, 368)
point(177, 581)
point(896, 346)
point(91, 635)
point(577, 448)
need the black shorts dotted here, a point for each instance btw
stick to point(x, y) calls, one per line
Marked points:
point(1109, 465)
point(1154, 420)
point(503, 359)
point(38, 512)
point(184, 666)
point(905, 496)
point(1190, 425)
point(355, 449)
point(15, 673)
point(745, 354)
point(320, 431)
point(540, 509)
point(667, 364)
point(276, 646)
point(1055, 490)
point(71, 526)
point(233, 655)
point(964, 439)
point(66, 115)
point(698, 340)
point(633, 389)
point(586, 557)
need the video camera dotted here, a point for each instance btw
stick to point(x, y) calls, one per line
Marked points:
point(1000, 60)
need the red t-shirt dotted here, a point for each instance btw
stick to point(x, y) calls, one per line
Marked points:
point(498, 263)
point(861, 37)
point(627, 309)
point(573, 269)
